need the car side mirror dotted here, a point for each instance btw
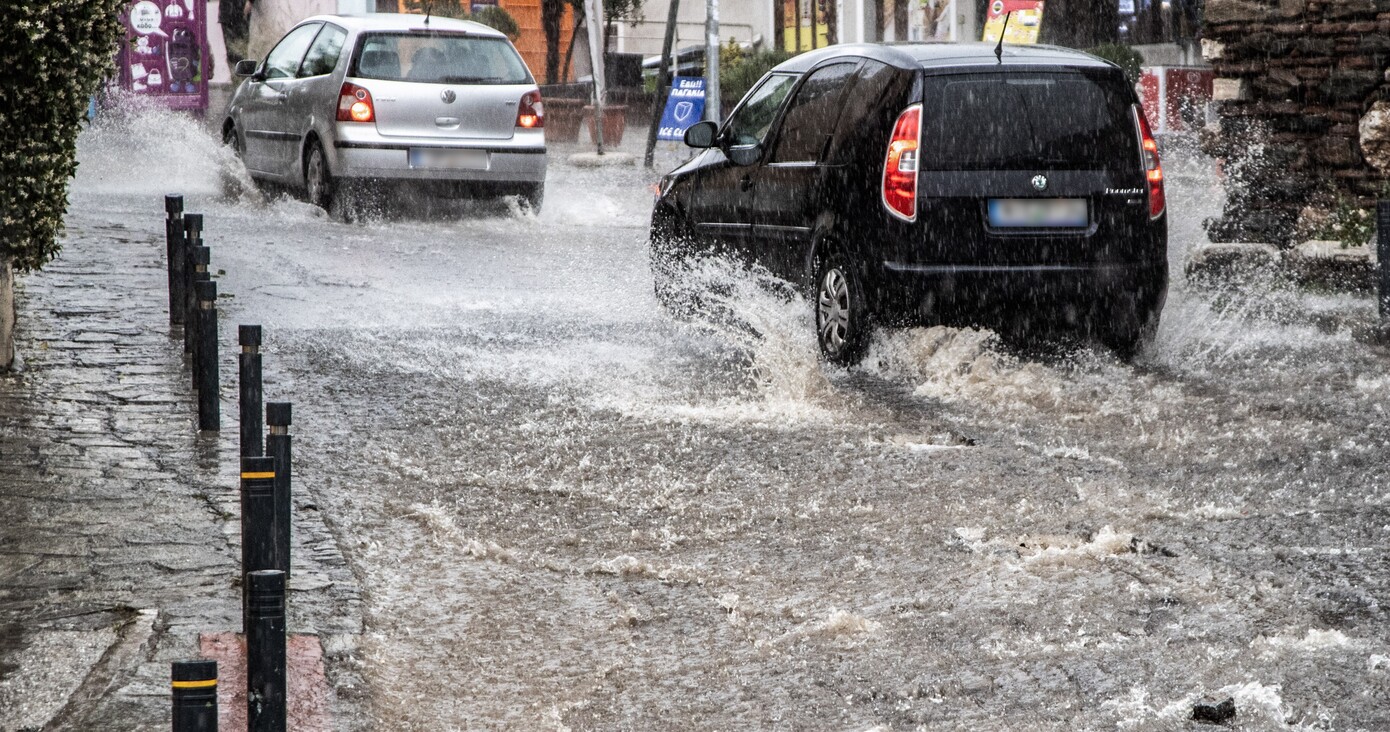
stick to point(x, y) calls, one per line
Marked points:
point(744, 155)
point(246, 67)
point(701, 134)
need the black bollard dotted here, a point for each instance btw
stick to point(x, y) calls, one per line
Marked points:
point(173, 247)
point(205, 363)
point(195, 696)
point(265, 652)
point(1383, 254)
point(277, 446)
point(257, 520)
point(198, 258)
point(249, 336)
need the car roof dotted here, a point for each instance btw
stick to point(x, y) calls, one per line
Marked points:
point(947, 55)
point(406, 22)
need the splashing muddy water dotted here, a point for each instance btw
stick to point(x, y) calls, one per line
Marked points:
point(567, 510)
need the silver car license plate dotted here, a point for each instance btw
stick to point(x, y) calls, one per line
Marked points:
point(444, 158)
point(1038, 213)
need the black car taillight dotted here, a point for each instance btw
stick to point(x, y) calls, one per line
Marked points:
point(900, 165)
point(1153, 168)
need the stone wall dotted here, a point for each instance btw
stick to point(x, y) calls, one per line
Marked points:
point(1302, 111)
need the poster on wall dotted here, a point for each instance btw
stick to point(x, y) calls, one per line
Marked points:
point(1024, 19)
point(165, 51)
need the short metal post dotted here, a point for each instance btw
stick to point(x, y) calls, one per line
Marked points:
point(1383, 255)
point(251, 390)
point(173, 247)
point(277, 446)
point(199, 257)
point(265, 652)
point(195, 696)
point(257, 521)
point(209, 390)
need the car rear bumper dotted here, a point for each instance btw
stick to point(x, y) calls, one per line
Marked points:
point(981, 292)
point(359, 153)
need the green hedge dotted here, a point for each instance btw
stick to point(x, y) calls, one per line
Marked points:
point(55, 54)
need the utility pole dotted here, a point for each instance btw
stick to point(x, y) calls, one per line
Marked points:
point(712, 60)
point(663, 79)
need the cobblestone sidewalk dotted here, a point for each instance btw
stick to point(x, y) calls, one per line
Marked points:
point(118, 527)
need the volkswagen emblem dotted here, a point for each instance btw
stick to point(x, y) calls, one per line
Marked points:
point(1040, 182)
point(448, 96)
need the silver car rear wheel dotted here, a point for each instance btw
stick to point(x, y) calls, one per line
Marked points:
point(318, 183)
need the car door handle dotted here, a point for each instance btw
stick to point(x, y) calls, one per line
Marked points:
point(745, 183)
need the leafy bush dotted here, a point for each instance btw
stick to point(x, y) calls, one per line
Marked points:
point(1348, 223)
point(1123, 56)
point(740, 70)
point(57, 53)
point(493, 16)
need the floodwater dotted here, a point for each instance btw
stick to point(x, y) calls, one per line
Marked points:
point(568, 511)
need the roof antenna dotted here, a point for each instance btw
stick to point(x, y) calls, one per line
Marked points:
point(429, 6)
point(999, 49)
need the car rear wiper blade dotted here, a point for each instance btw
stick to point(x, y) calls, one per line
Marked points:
point(468, 79)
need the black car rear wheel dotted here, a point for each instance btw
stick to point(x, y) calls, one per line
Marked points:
point(1128, 336)
point(843, 323)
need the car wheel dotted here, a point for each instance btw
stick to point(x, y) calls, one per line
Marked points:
point(533, 196)
point(231, 138)
point(843, 325)
point(1126, 337)
point(318, 182)
point(669, 244)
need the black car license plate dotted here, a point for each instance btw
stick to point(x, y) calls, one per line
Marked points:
point(1038, 213)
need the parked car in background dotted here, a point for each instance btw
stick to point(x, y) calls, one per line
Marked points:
point(933, 183)
point(344, 107)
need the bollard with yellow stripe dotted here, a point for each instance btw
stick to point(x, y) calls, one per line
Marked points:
point(195, 696)
point(257, 519)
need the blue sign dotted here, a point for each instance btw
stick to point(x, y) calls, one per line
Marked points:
point(684, 107)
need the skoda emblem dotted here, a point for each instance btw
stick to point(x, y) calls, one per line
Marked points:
point(448, 96)
point(1040, 182)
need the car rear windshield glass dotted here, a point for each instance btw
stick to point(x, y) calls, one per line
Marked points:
point(439, 58)
point(1014, 121)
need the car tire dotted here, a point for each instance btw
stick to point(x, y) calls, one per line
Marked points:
point(1130, 333)
point(669, 244)
point(843, 322)
point(319, 186)
point(534, 196)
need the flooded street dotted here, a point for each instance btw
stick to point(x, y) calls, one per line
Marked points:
point(566, 510)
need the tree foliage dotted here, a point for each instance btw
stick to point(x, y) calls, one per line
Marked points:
point(55, 53)
point(492, 16)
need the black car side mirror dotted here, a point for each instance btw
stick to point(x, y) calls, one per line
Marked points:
point(701, 134)
point(246, 67)
point(745, 154)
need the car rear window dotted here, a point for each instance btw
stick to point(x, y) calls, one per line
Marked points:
point(439, 58)
point(1026, 120)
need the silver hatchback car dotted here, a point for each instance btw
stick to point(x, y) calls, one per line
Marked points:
point(345, 106)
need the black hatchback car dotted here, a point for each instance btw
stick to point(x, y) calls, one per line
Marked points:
point(933, 184)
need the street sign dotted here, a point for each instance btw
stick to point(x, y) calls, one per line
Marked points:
point(684, 107)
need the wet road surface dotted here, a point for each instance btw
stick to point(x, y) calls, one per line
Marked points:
point(567, 511)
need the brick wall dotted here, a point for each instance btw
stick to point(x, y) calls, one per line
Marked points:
point(1303, 108)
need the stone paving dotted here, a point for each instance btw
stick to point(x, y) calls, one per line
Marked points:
point(119, 542)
